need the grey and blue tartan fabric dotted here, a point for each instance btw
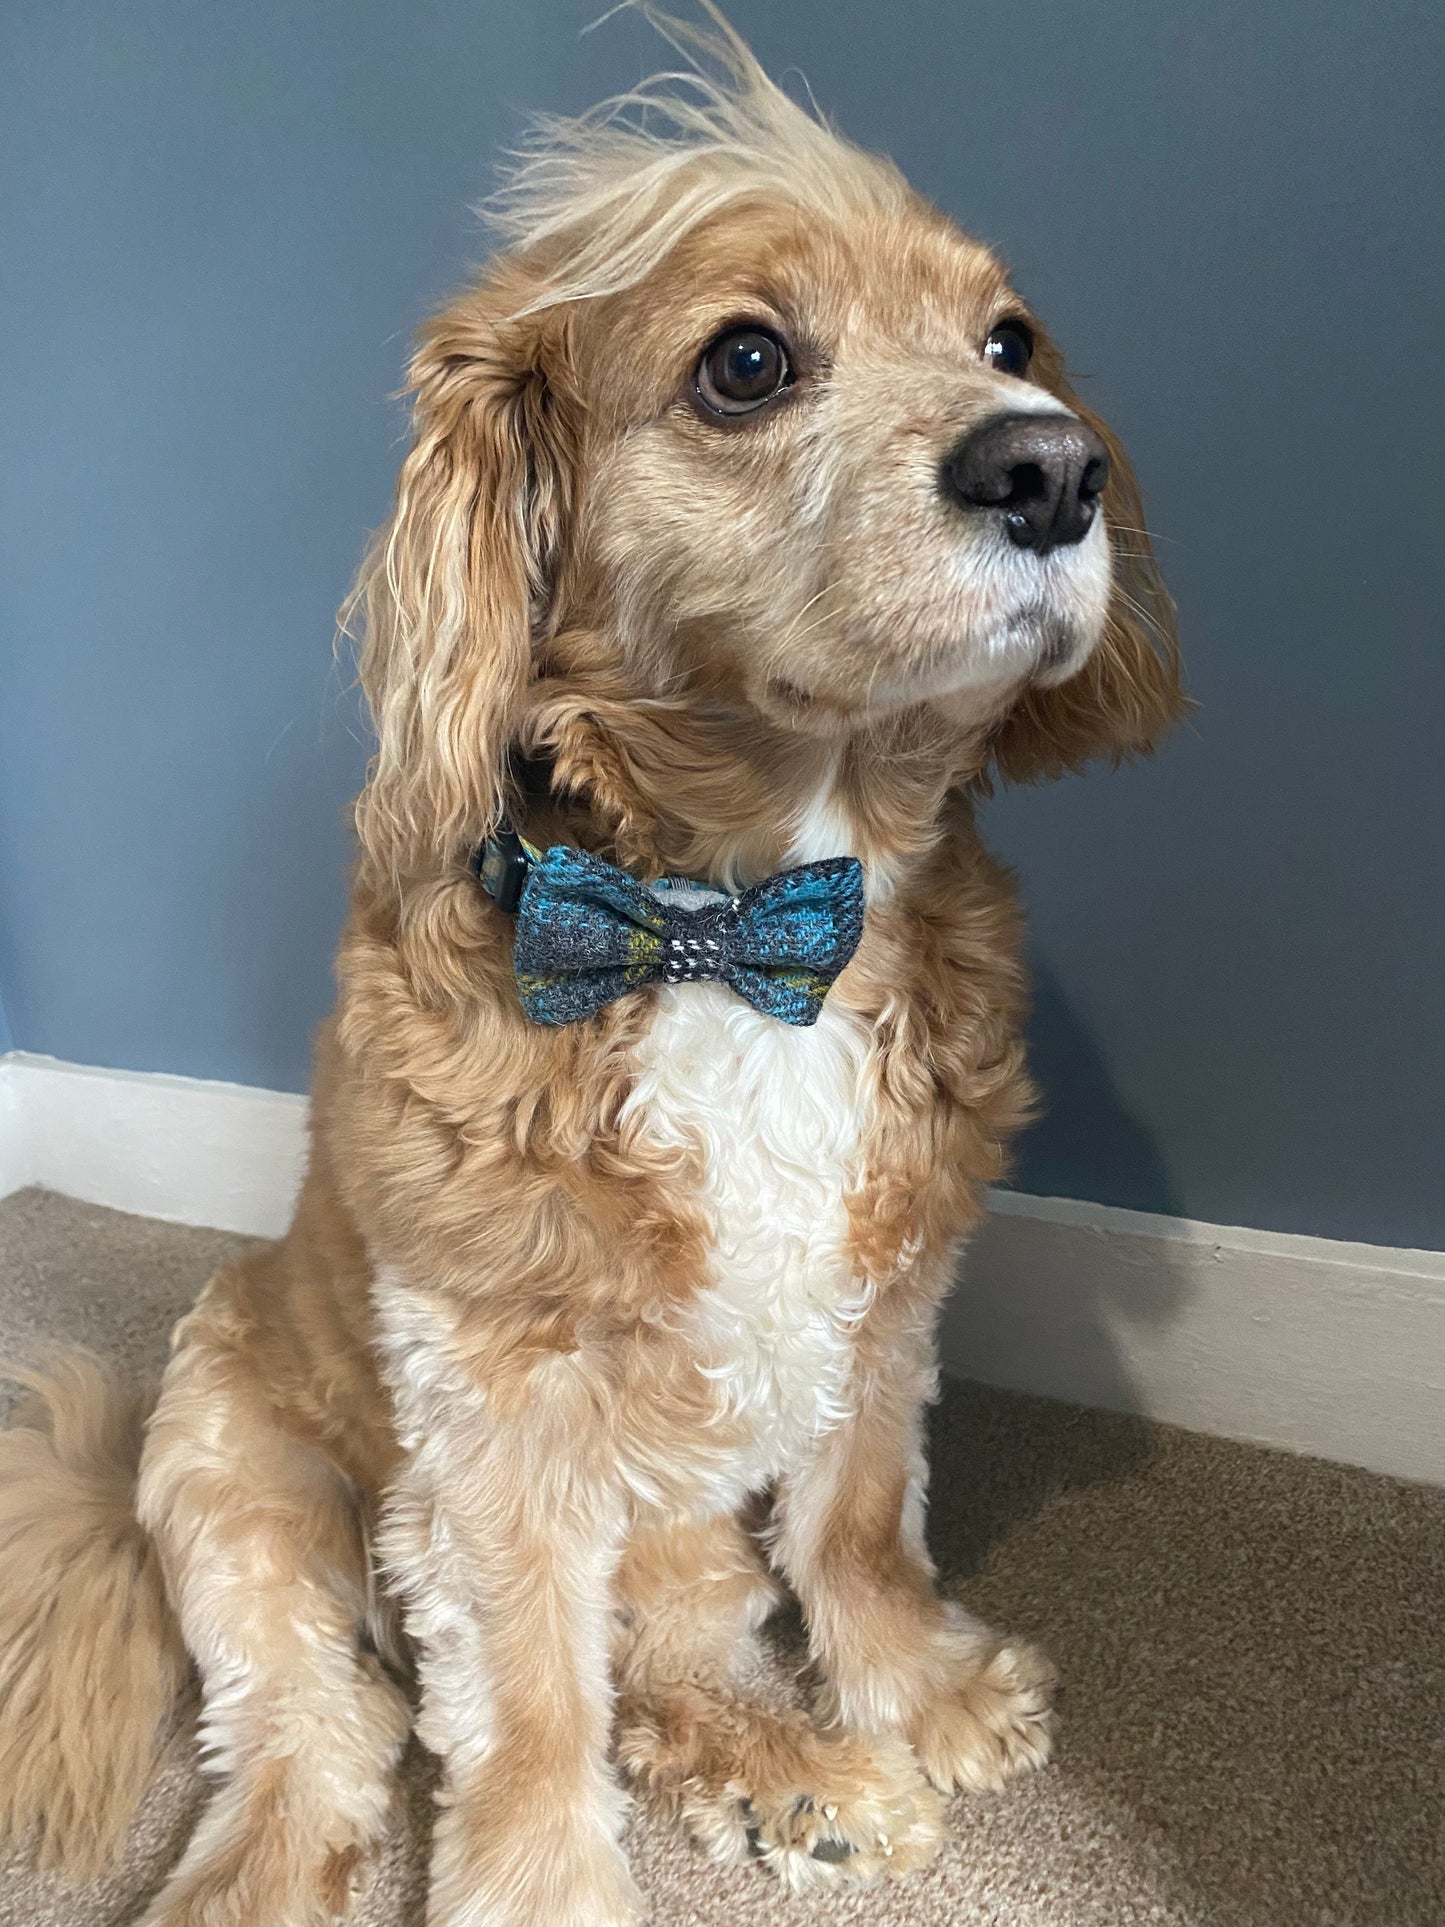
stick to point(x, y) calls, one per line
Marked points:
point(588, 933)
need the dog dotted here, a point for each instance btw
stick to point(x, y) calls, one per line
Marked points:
point(749, 532)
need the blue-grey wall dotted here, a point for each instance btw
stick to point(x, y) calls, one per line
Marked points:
point(221, 223)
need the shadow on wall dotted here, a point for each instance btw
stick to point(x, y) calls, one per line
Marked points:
point(1087, 1143)
point(298, 883)
point(1030, 1313)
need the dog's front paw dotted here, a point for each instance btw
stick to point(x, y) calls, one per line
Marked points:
point(991, 1717)
point(867, 1811)
point(749, 1782)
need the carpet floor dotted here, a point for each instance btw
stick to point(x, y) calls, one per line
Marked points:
point(1253, 1649)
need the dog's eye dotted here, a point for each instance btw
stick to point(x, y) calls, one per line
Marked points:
point(1009, 349)
point(741, 370)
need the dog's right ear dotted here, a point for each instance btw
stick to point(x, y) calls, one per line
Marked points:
point(454, 585)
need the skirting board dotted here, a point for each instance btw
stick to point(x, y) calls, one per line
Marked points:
point(1322, 1347)
point(179, 1148)
point(1319, 1346)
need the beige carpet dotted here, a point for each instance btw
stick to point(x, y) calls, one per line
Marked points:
point(1253, 1645)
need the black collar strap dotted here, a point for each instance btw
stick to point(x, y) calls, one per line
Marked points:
point(502, 862)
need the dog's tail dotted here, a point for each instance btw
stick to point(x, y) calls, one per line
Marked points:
point(91, 1660)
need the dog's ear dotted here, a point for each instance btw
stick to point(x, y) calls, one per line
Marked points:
point(455, 585)
point(1128, 693)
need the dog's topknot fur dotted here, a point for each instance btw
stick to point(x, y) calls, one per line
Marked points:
point(606, 194)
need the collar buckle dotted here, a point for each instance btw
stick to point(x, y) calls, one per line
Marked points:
point(501, 863)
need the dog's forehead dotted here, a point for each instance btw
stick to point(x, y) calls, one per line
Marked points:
point(896, 276)
point(906, 278)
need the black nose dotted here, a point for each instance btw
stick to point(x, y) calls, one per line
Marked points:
point(1043, 473)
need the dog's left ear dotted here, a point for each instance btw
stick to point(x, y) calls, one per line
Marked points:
point(1128, 693)
point(457, 584)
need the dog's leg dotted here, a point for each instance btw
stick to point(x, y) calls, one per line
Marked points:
point(894, 1657)
point(503, 1532)
point(743, 1777)
point(263, 1550)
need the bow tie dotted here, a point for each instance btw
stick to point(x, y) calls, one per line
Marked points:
point(588, 933)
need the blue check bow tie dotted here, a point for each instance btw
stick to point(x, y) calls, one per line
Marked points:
point(588, 933)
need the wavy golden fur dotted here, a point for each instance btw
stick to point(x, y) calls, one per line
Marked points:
point(586, 1340)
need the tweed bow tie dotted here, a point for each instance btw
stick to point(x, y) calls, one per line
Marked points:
point(588, 933)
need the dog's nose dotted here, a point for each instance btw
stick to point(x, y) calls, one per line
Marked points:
point(1043, 473)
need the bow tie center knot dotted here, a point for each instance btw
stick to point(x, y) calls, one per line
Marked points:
point(693, 948)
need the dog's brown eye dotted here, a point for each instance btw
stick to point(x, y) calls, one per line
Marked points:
point(741, 370)
point(1009, 349)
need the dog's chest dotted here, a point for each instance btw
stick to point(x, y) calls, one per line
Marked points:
point(779, 1116)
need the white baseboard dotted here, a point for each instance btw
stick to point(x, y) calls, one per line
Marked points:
point(1322, 1347)
point(17, 1167)
point(1308, 1343)
point(179, 1148)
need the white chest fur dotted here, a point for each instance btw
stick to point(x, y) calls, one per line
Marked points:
point(778, 1115)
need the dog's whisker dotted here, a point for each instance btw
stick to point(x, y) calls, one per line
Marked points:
point(1123, 528)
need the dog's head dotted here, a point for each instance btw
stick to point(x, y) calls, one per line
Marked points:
point(738, 422)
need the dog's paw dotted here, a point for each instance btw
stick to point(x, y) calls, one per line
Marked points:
point(993, 1719)
point(845, 1810)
